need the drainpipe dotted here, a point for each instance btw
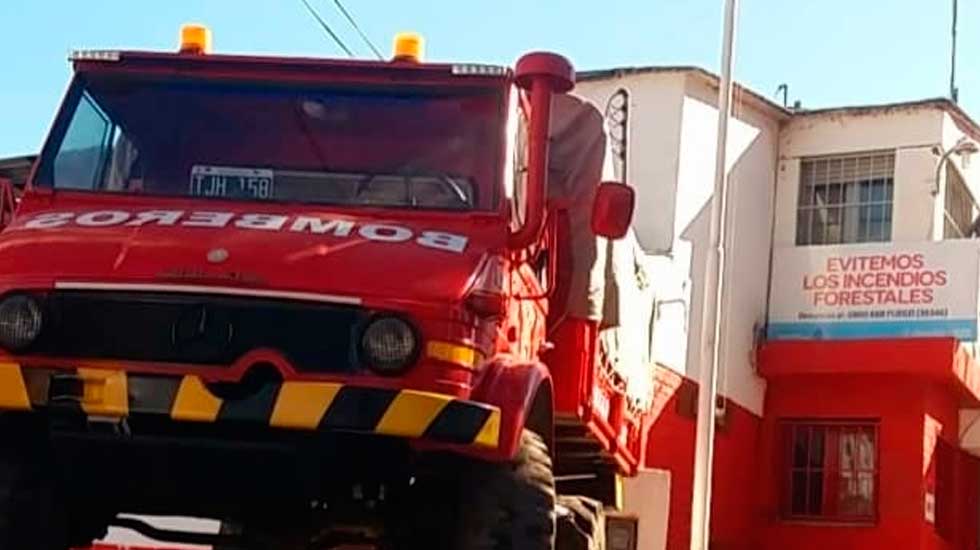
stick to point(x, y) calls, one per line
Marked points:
point(711, 306)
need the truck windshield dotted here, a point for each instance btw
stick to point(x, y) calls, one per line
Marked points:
point(382, 146)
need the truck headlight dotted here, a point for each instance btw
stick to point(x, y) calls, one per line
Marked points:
point(388, 345)
point(20, 321)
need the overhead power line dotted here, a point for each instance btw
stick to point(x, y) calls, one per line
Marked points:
point(364, 37)
point(327, 28)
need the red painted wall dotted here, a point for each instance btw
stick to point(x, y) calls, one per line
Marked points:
point(671, 447)
point(745, 508)
point(967, 502)
point(943, 405)
point(849, 397)
point(906, 456)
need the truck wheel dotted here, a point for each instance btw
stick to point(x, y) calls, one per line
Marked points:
point(511, 506)
point(581, 524)
point(31, 514)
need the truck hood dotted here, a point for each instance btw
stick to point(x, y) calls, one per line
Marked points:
point(416, 257)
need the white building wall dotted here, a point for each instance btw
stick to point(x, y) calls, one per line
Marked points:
point(912, 133)
point(919, 135)
point(855, 131)
point(751, 164)
point(655, 120)
point(913, 206)
point(647, 496)
point(671, 165)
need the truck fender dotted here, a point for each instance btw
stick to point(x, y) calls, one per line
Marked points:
point(523, 391)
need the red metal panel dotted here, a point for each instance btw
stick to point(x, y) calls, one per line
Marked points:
point(938, 359)
point(512, 387)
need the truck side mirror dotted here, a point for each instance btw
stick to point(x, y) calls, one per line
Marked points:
point(8, 202)
point(612, 211)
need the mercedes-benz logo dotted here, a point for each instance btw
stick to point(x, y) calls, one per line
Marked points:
point(201, 330)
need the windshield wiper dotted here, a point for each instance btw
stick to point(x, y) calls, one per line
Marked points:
point(455, 189)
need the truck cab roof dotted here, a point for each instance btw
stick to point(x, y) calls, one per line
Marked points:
point(307, 69)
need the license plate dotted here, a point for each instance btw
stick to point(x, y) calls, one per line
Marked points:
point(231, 183)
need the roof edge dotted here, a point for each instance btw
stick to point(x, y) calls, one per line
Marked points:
point(963, 119)
point(762, 101)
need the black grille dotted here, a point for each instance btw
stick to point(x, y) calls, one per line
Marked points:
point(206, 330)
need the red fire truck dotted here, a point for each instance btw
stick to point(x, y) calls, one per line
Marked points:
point(331, 303)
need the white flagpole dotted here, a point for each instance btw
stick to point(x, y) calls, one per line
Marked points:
point(711, 310)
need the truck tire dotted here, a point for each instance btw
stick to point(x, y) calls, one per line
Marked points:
point(31, 513)
point(581, 524)
point(510, 506)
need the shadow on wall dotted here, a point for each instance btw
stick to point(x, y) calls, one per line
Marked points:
point(748, 241)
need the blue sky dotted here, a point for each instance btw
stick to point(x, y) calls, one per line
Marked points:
point(830, 52)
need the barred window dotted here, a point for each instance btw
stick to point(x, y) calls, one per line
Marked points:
point(845, 199)
point(960, 208)
point(831, 470)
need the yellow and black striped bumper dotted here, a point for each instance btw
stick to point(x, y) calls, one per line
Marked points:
point(290, 404)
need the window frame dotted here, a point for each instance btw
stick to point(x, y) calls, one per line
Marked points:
point(43, 177)
point(44, 174)
point(954, 180)
point(786, 433)
point(808, 206)
point(108, 134)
